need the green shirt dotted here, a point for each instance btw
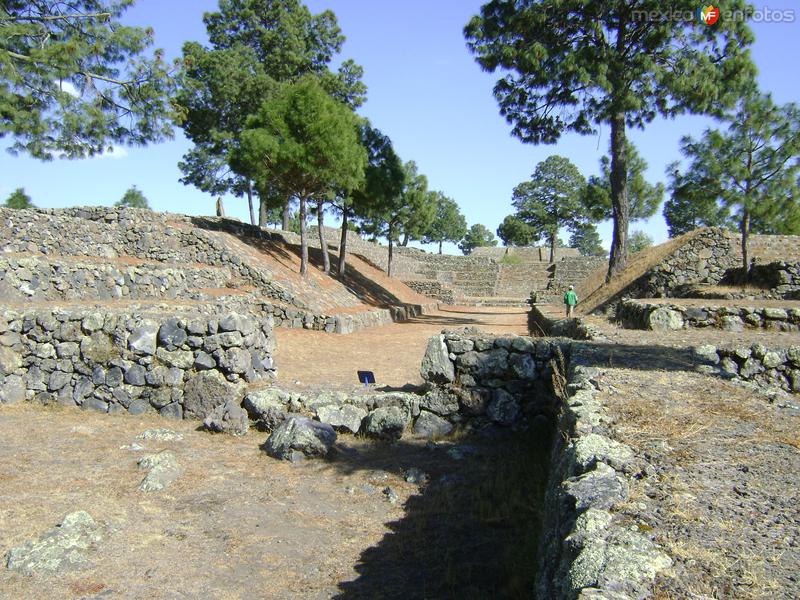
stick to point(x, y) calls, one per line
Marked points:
point(570, 298)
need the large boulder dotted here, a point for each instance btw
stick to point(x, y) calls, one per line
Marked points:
point(300, 436)
point(387, 422)
point(345, 416)
point(267, 407)
point(228, 418)
point(439, 401)
point(731, 323)
point(60, 549)
point(504, 408)
point(429, 425)
point(665, 319)
point(436, 364)
point(12, 389)
point(205, 391)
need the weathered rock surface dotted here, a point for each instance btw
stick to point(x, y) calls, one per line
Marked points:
point(429, 425)
point(504, 408)
point(346, 416)
point(267, 407)
point(300, 436)
point(163, 470)
point(205, 391)
point(228, 418)
point(665, 319)
point(436, 365)
point(388, 422)
point(63, 548)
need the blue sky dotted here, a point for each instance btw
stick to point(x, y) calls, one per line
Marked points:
point(425, 91)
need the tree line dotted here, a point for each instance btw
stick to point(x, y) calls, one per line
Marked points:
point(271, 120)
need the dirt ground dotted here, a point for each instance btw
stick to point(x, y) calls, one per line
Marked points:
point(240, 525)
point(393, 352)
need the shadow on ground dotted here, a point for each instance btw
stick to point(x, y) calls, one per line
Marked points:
point(643, 358)
point(472, 532)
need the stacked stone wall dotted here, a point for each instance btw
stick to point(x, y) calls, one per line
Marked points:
point(39, 279)
point(105, 232)
point(638, 314)
point(179, 363)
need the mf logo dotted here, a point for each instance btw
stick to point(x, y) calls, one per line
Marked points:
point(708, 15)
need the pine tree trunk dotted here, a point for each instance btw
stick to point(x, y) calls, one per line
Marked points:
point(262, 212)
point(285, 224)
point(343, 245)
point(440, 246)
point(619, 196)
point(303, 240)
point(553, 247)
point(745, 227)
point(326, 260)
point(405, 240)
point(389, 264)
point(250, 202)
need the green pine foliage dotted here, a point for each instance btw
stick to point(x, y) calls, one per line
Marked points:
point(585, 238)
point(74, 80)
point(19, 200)
point(133, 198)
point(643, 197)
point(572, 65)
point(552, 199)
point(513, 231)
point(477, 236)
point(693, 203)
point(305, 143)
point(254, 46)
point(750, 169)
point(448, 224)
point(638, 241)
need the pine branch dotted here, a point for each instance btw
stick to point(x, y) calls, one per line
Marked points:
point(104, 15)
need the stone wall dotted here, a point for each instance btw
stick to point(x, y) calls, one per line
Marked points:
point(779, 280)
point(39, 279)
point(177, 362)
point(703, 259)
point(638, 314)
point(589, 550)
point(779, 367)
point(500, 377)
point(585, 545)
point(771, 248)
point(529, 253)
point(107, 232)
point(432, 289)
point(572, 271)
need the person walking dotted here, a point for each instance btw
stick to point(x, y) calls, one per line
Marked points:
point(570, 300)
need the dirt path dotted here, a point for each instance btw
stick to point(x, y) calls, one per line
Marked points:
point(393, 352)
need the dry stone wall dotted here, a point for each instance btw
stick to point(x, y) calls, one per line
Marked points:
point(177, 362)
point(704, 259)
point(762, 365)
point(638, 314)
point(40, 279)
point(107, 232)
